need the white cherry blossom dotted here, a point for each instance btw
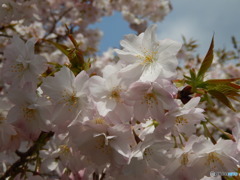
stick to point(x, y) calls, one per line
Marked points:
point(30, 114)
point(147, 58)
point(150, 100)
point(107, 91)
point(68, 95)
point(184, 118)
point(22, 65)
point(7, 130)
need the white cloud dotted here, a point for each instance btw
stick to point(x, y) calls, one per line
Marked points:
point(189, 28)
point(200, 19)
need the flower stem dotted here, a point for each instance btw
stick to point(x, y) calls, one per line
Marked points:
point(225, 133)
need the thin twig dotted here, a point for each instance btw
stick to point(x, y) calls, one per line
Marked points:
point(5, 35)
point(56, 21)
point(24, 157)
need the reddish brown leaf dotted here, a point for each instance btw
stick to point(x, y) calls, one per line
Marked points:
point(207, 60)
point(221, 97)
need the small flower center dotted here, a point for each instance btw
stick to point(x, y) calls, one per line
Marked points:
point(28, 114)
point(180, 120)
point(115, 94)
point(150, 98)
point(184, 159)
point(1, 118)
point(100, 120)
point(148, 57)
point(147, 154)
point(71, 100)
point(64, 149)
point(17, 68)
point(213, 158)
point(100, 144)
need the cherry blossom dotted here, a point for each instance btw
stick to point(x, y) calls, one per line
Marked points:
point(22, 65)
point(67, 93)
point(147, 58)
point(150, 100)
point(7, 130)
point(186, 117)
point(149, 110)
point(30, 113)
point(107, 91)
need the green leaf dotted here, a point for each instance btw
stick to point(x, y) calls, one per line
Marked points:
point(218, 81)
point(193, 74)
point(207, 61)
point(64, 49)
point(221, 97)
point(208, 99)
point(75, 56)
point(179, 82)
point(225, 86)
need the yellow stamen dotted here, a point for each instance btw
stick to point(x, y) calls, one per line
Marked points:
point(180, 120)
point(101, 145)
point(150, 98)
point(64, 149)
point(71, 100)
point(1, 118)
point(100, 120)
point(147, 154)
point(213, 158)
point(28, 113)
point(115, 94)
point(17, 68)
point(148, 57)
point(184, 159)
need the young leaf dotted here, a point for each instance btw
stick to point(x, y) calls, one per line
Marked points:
point(221, 97)
point(64, 49)
point(221, 81)
point(225, 86)
point(193, 74)
point(207, 61)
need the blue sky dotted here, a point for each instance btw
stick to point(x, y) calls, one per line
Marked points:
point(196, 19)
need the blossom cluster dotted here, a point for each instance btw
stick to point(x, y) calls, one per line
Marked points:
point(41, 19)
point(128, 114)
point(125, 123)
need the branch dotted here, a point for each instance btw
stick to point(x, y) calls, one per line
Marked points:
point(5, 35)
point(56, 21)
point(16, 168)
